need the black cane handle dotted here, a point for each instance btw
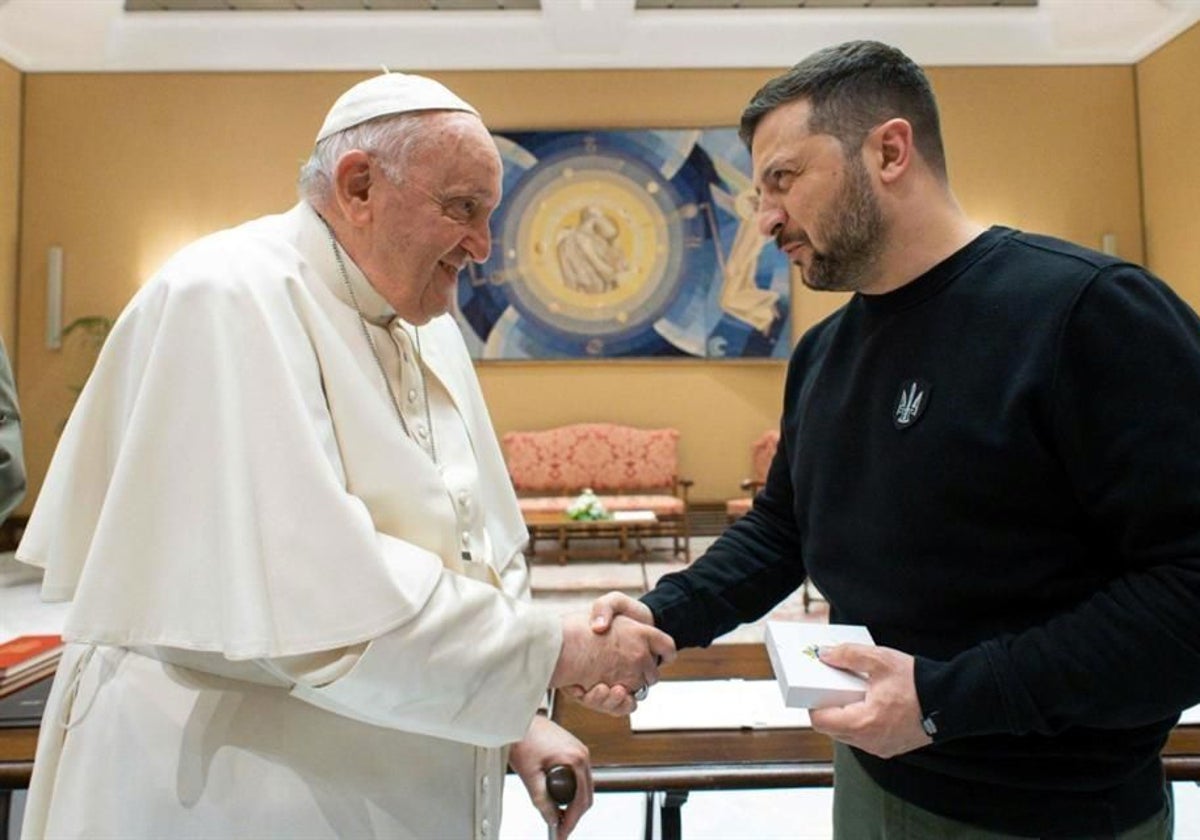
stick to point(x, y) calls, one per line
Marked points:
point(561, 784)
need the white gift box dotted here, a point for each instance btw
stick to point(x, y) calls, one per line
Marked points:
point(806, 681)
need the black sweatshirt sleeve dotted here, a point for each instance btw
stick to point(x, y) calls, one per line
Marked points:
point(751, 567)
point(1127, 426)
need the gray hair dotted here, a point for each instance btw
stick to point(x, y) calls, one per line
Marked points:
point(852, 88)
point(390, 139)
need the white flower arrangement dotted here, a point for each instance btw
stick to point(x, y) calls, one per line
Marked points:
point(587, 507)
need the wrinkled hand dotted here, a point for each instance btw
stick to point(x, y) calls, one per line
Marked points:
point(887, 722)
point(617, 700)
point(628, 654)
point(544, 745)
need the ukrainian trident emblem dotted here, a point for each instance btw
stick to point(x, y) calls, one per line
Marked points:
point(910, 403)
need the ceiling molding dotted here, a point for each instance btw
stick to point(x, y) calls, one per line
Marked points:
point(46, 36)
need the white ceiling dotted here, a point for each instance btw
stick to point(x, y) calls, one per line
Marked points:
point(100, 36)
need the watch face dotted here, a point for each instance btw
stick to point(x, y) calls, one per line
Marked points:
point(625, 243)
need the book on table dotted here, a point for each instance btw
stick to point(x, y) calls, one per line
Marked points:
point(27, 659)
point(22, 708)
point(634, 516)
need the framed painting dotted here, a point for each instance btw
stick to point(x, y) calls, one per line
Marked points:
point(626, 244)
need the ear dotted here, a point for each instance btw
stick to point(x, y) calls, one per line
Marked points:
point(352, 185)
point(890, 147)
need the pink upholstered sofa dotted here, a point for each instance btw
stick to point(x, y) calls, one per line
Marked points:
point(629, 468)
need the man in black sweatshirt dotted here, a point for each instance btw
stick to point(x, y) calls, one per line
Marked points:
point(991, 458)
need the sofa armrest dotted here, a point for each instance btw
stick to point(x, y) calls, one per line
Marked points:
point(683, 485)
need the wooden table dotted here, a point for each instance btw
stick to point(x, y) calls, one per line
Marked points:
point(562, 530)
point(667, 766)
point(16, 763)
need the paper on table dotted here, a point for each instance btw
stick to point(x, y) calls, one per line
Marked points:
point(715, 704)
point(1190, 716)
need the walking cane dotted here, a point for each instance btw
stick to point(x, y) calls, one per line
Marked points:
point(560, 784)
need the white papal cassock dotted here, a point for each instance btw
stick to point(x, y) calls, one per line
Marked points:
point(273, 632)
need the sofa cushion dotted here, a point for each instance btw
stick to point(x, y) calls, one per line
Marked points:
point(735, 508)
point(762, 452)
point(602, 456)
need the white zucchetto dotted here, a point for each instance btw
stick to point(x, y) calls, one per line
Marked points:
point(387, 94)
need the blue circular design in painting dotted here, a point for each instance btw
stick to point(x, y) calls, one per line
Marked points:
point(592, 247)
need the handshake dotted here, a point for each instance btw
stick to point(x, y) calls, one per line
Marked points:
point(610, 658)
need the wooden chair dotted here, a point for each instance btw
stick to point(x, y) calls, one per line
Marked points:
point(762, 452)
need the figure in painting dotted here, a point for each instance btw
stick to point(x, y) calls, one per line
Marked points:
point(589, 256)
point(740, 295)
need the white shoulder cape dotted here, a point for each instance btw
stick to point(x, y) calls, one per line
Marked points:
point(233, 477)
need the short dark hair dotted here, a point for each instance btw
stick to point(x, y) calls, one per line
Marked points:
point(852, 88)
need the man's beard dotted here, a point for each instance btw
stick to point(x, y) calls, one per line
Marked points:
point(853, 228)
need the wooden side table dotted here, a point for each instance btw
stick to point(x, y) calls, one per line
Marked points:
point(561, 530)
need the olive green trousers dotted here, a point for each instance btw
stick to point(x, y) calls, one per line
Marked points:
point(862, 810)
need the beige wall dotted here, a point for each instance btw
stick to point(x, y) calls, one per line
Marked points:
point(1046, 149)
point(121, 169)
point(10, 196)
point(1168, 86)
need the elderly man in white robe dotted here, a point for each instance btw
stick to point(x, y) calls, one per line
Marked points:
point(283, 519)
